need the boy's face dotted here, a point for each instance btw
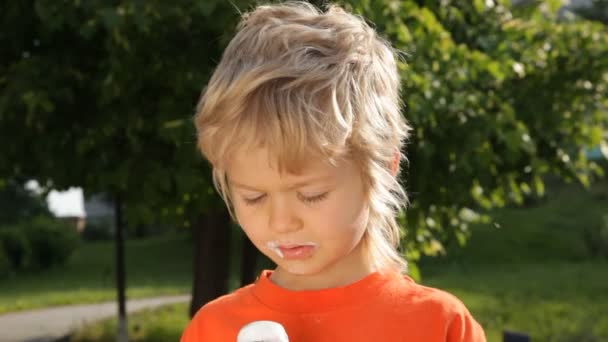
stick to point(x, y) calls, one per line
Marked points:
point(309, 224)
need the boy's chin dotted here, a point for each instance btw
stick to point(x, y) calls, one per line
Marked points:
point(298, 268)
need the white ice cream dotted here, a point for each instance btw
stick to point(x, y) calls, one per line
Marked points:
point(262, 331)
point(274, 246)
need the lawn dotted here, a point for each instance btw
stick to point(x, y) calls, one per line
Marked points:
point(156, 266)
point(565, 302)
point(531, 271)
point(549, 301)
point(159, 325)
point(533, 274)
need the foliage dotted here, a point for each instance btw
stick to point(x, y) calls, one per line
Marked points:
point(38, 244)
point(159, 325)
point(596, 238)
point(498, 97)
point(156, 266)
point(550, 301)
point(552, 231)
point(521, 298)
point(16, 247)
point(110, 89)
point(52, 242)
point(530, 270)
point(19, 203)
point(507, 276)
point(497, 102)
point(595, 10)
point(5, 263)
point(98, 231)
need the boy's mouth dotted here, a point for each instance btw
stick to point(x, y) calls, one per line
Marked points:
point(293, 251)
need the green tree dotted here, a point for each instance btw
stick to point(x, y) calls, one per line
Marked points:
point(498, 99)
point(100, 94)
point(19, 203)
point(597, 10)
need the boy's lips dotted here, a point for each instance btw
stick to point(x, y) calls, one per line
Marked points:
point(293, 251)
point(297, 252)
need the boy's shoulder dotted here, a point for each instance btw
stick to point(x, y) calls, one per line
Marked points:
point(401, 302)
point(210, 320)
point(225, 303)
point(409, 295)
point(435, 308)
point(405, 294)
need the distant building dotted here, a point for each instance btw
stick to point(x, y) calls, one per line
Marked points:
point(72, 207)
point(67, 206)
point(99, 210)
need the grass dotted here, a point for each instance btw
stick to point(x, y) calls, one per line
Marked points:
point(550, 301)
point(534, 274)
point(159, 325)
point(156, 266)
point(551, 230)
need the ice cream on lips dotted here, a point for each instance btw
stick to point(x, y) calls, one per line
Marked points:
point(288, 250)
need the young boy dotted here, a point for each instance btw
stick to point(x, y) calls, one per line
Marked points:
point(301, 122)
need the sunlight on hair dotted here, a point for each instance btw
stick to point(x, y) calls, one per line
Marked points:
point(302, 82)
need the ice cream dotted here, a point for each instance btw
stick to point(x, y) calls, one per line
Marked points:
point(262, 331)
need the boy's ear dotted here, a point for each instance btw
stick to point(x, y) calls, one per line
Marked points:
point(395, 163)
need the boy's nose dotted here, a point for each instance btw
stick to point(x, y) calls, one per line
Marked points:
point(282, 218)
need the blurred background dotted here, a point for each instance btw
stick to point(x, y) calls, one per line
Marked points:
point(103, 196)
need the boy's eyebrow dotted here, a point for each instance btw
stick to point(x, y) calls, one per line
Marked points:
point(290, 187)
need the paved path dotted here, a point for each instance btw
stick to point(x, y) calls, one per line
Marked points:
point(50, 324)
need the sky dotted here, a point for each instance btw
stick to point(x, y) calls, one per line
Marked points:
point(63, 203)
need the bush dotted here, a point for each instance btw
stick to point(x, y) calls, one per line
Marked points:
point(15, 246)
point(40, 243)
point(52, 242)
point(5, 266)
point(98, 231)
point(19, 204)
point(596, 238)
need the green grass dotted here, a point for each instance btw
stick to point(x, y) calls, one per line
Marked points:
point(156, 266)
point(551, 230)
point(534, 274)
point(550, 301)
point(565, 302)
point(159, 325)
point(518, 297)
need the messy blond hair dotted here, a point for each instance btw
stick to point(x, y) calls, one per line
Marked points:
point(297, 81)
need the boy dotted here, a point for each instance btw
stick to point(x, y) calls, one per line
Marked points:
point(301, 122)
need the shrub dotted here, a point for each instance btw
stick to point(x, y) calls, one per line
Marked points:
point(596, 238)
point(15, 244)
point(98, 231)
point(52, 242)
point(5, 265)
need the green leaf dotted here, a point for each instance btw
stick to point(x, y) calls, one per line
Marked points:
point(413, 271)
point(111, 19)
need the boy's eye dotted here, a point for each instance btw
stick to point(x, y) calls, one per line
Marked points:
point(313, 199)
point(253, 201)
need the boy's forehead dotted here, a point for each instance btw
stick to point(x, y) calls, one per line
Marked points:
point(257, 161)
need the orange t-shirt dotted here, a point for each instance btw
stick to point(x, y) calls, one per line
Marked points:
point(382, 307)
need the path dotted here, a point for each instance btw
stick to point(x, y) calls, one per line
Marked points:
point(50, 324)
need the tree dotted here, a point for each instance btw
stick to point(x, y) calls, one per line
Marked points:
point(498, 100)
point(19, 203)
point(595, 10)
point(100, 95)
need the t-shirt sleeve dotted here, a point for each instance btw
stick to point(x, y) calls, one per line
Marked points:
point(464, 328)
point(191, 333)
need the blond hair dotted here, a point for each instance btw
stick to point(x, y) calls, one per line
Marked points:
point(299, 81)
